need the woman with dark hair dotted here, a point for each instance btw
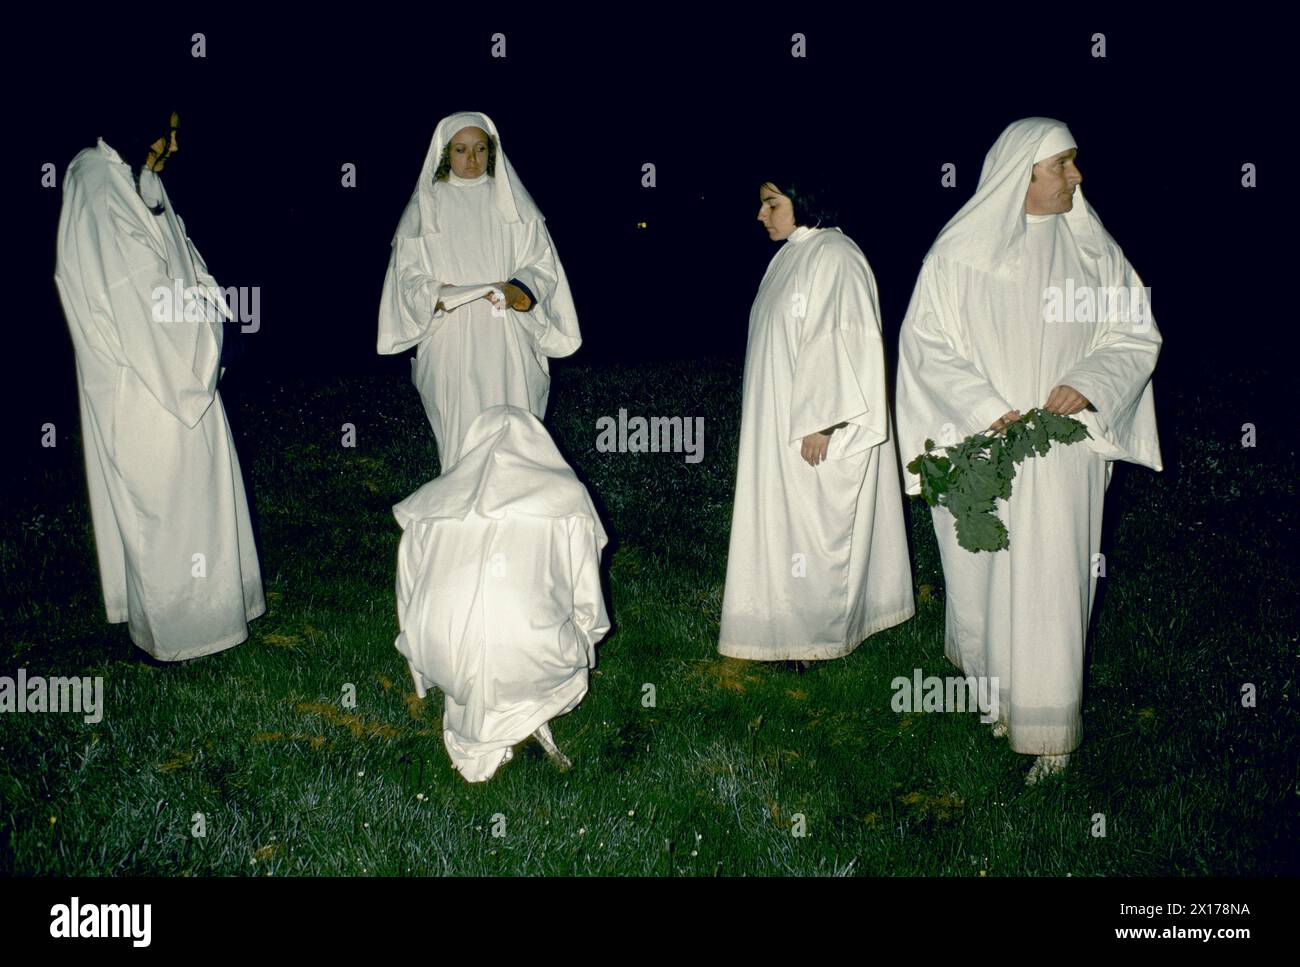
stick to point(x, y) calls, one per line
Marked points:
point(818, 557)
point(810, 199)
point(145, 141)
point(474, 283)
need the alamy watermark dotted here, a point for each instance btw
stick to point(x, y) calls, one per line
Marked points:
point(658, 434)
point(1129, 305)
point(77, 920)
point(57, 694)
point(955, 693)
point(204, 303)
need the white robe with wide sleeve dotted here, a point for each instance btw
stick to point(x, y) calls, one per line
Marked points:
point(974, 345)
point(172, 532)
point(473, 357)
point(498, 589)
point(818, 555)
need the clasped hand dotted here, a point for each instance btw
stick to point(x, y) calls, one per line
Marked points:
point(1065, 400)
point(515, 298)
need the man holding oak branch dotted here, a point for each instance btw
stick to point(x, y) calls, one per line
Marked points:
point(975, 346)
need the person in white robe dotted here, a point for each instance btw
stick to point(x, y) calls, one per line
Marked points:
point(471, 231)
point(172, 532)
point(983, 338)
point(498, 590)
point(818, 550)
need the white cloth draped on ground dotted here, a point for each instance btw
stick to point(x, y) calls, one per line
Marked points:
point(463, 232)
point(164, 480)
point(498, 589)
point(977, 343)
point(818, 555)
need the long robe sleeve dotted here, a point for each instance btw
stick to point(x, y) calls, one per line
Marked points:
point(548, 322)
point(840, 348)
point(211, 293)
point(411, 297)
point(938, 383)
point(177, 359)
point(1115, 376)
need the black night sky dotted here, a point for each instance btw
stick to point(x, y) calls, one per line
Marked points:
point(269, 117)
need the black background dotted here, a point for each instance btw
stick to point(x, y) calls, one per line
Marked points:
point(883, 99)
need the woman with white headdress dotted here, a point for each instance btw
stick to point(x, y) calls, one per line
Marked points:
point(982, 339)
point(475, 285)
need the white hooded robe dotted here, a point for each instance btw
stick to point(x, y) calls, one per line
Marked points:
point(172, 531)
point(498, 589)
point(473, 232)
point(818, 555)
point(976, 344)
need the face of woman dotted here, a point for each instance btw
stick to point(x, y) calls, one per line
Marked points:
point(469, 152)
point(776, 212)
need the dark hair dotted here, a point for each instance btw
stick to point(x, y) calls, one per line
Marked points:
point(444, 163)
point(813, 203)
point(133, 135)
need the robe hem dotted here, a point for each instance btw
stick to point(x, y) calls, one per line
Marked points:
point(1073, 735)
point(203, 652)
point(815, 652)
point(475, 755)
point(225, 643)
point(1071, 744)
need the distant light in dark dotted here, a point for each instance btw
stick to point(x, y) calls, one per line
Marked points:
point(642, 224)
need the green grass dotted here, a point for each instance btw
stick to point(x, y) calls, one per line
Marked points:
point(1199, 598)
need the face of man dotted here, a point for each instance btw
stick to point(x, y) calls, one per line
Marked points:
point(469, 152)
point(163, 148)
point(776, 212)
point(1051, 190)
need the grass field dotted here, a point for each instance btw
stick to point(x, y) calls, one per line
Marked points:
point(734, 758)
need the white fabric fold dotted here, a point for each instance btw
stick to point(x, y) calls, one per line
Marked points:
point(472, 233)
point(988, 231)
point(498, 589)
point(172, 531)
point(978, 342)
point(818, 555)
